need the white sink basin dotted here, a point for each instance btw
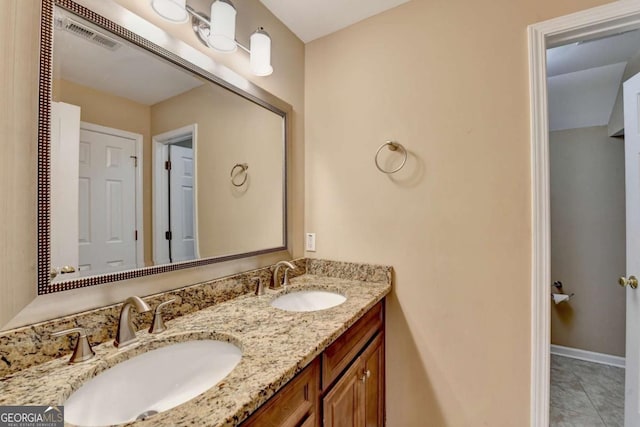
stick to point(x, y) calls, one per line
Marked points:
point(308, 301)
point(151, 382)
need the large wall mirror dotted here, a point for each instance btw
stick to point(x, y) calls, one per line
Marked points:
point(147, 162)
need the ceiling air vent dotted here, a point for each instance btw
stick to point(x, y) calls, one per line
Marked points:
point(89, 34)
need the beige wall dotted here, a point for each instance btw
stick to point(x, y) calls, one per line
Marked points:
point(19, 38)
point(588, 251)
point(105, 109)
point(449, 80)
point(19, 41)
point(231, 130)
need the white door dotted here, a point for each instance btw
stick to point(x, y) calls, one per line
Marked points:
point(65, 137)
point(107, 203)
point(181, 204)
point(632, 182)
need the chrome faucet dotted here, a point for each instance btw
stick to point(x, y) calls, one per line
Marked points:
point(126, 330)
point(285, 281)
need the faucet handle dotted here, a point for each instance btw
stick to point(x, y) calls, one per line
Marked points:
point(157, 325)
point(259, 285)
point(83, 351)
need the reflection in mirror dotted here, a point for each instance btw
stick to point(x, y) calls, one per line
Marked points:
point(144, 156)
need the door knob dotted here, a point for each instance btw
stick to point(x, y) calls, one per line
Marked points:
point(67, 269)
point(631, 281)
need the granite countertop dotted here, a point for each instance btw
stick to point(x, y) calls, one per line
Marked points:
point(275, 344)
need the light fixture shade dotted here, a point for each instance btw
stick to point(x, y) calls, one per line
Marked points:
point(260, 57)
point(172, 10)
point(223, 26)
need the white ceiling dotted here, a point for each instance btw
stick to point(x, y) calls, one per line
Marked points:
point(127, 72)
point(584, 98)
point(584, 79)
point(595, 53)
point(312, 19)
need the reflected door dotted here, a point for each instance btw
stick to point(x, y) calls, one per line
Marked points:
point(65, 136)
point(107, 203)
point(181, 210)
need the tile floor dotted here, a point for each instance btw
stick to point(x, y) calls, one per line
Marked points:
point(585, 394)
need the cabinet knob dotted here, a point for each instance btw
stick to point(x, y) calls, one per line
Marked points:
point(366, 374)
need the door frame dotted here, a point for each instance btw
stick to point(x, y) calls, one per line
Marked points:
point(593, 23)
point(138, 141)
point(159, 218)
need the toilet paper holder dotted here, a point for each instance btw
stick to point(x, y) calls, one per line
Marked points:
point(569, 296)
point(558, 285)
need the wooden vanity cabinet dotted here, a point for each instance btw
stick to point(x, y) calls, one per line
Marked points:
point(295, 405)
point(353, 380)
point(347, 346)
point(345, 384)
point(357, 398)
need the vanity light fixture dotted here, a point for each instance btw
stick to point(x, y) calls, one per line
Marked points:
point(219, 31)
point(172, 10)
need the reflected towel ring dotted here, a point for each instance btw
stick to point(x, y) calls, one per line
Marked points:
point(244, 168)
point(393, 146)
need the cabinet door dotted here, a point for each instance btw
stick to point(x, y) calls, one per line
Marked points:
point(357, 399)
point(294, 405)
point(342, 406)
point(373, 374)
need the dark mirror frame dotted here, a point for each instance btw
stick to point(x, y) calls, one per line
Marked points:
point(251, 92)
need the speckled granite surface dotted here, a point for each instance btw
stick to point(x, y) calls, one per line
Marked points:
point(30, 345)
point(276, 345)
point(349, 270)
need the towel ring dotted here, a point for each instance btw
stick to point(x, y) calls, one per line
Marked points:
point(244, 168)
point(393, 146)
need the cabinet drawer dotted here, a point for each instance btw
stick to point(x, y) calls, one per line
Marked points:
point(294, 405)
point(339, 355)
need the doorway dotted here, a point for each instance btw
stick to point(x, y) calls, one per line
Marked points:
point(175, 219)
point(596, 23)
point(588, 230)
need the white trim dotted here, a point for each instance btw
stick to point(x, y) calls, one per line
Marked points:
point(160, 220)
point(138, 141)
point(599, 21)
point(159, 217)
point(540, 223)
point(589, 356)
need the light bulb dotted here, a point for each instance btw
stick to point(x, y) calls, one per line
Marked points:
point(223, 26)
point(260, 58)
point(171, 10)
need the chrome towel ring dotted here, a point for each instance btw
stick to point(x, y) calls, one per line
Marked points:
point(393, 146)
point(243, 167)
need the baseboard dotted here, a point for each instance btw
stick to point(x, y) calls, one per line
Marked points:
point(589, 356)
